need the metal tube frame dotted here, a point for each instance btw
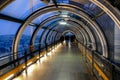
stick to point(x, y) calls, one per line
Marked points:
point(72, 9)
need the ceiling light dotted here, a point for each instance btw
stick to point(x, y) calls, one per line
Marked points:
point(62, 23)
point(64, 15)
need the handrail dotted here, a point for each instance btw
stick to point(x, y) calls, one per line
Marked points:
point(102, 57)
point(109, 70)
point(16, 60)
point(105, 59)
point(21, 60)
point(11, 54)
point(18, 52)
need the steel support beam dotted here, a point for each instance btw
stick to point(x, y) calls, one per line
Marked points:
point(50, 35)
point(46, 36)
point(109, 10)
point(98, 15)
point(9, 18)
point(76, 29)
point(71, 19)
point(34, 33)
point(4, 3)
point(5, 17)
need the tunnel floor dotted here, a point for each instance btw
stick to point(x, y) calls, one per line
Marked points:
point(66, 64)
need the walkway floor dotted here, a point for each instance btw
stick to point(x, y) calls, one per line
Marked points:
point(66, 64)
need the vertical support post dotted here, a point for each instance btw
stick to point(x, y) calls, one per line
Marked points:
point(31, 49)
point(85, 50)
point(51, 41)
point(18, 63)
point(39, 51)
point(46, 47)
point(81, 49)
point(25, 54)
point(93, 54)
point(40, 44)
point(51, 45)
point(14, 59)
point(55, 40)
point(92, 62)
point(112, 68)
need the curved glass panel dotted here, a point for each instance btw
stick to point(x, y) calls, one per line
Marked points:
point(95, 10)
point(43, 39)
point(43, 17)
point(22, 8)
point(117, 45)
point(62, 1)
point(7, 33)
point(53, 36)
point(81, 1)
point(51, 22)
point(57, 37)
point(108, 27)
point(25, 38)
point(37, 39)
point(50, 35)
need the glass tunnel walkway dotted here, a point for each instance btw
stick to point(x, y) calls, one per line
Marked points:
point(62, 61)
point(65, 63)
point(59, 39)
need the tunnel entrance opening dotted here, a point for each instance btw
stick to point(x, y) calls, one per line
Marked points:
point(69, 38)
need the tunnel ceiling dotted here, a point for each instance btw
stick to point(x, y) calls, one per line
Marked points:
point(83, 17)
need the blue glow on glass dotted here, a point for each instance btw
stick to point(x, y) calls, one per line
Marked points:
point(43, 17)
point(8, 28)
point(22, 8)
point(62, 1)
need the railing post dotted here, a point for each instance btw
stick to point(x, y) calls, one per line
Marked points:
point(39, 51)
point(92, 62)
point(15, 57)
point(18, 63)
point(112, 72)
point(31, 49)
point(25, 54)
point(85, 54)
point(54, 45)
point(46, 47)
point(50, 47)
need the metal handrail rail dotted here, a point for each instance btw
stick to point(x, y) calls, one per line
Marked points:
point(113, 64)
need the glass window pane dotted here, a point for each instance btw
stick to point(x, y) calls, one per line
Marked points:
point(22, 8)
point(38, 36)
point(7, 34)
point(43, 17)
point(37, 39)
point(43, 39)
point(62, 1)
point(52, 22)
point(25, 38)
